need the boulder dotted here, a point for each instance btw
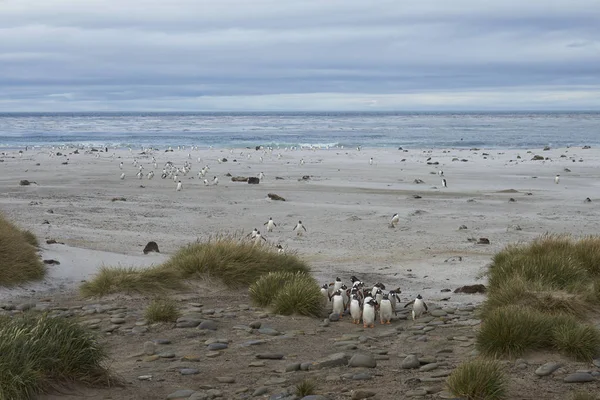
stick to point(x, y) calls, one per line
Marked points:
point(151, 246)
point(253, 180)
point(470, 289)
point(239, 179)
point(274, 196)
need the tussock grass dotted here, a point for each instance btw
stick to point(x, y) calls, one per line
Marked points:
point(131, 280)
point(232, 259)
point(305, 388)
point(19, 261)
point(288, 293)
point(478, 380)
point(540, 295)
point(162, 310)
point(40, 353)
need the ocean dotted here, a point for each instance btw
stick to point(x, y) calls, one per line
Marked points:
point(283, 129)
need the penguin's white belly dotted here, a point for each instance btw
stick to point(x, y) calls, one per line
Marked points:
point(338, 305)
point(418, 308)
point(385, 310)
point(355, 310)
point(369, 315)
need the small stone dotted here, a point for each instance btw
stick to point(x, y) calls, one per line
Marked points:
point(362, 376)
point(411, 361)
point(257, 364)
point(189, 371)
point(181, 394)
point(255, 325)
point(269, 356)
point(117, 321)
point(162, 341)
point(190, 358)
point(334, 317)
point(362, 361)
point(334, 360)
point(139, 330)
point(225, 379)
point(151, 358)
point(579, 377)
point(547, 369)
point(208, 324)
point(362, 394)
point(429, 367)
point(166, 354)
point(145, 377)
point(213, 354)
point(292, 367)
point(149, 348)
point(260, 391)
point(217, 346)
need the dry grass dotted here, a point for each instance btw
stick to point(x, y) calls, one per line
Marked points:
point(19, 261)
point(478, 380)
point(540, 295)
point(305, 388)
point(231, 259)
point(162, 310)
point(41, 353)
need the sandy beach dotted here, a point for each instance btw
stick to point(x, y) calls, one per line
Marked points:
point(346, 206)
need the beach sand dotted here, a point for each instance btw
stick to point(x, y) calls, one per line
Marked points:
point(346, 206)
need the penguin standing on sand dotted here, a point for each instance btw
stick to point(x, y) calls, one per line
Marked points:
point(395, 220)
point(368, 314)
point(325, 292)
point(257, 239)
point(179, 186)
point(298, 228)
point(355, 309)
point(394, 299)
point(444, 183)
point(385, 310)
point(215, 181)
point(557, 179)
point(270, 224)
point(338, 303)
point(371, 161)
point(419, 307)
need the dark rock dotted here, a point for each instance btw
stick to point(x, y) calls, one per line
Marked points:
point(278, 178)
point(25, 182)
point(255, 325)
point(51, 262)
point(305, 178)
point(512, 200)
point(537, 158)
point(151, 246)
point(334, 317)
point(269, 356)
point(217, 346)
point(253, 180)
point(118, 199)
point(208, 325)
point(274, 196)
point(417, 181)
point(462, 228)
point(228, 174)
point(445, 290)
point(411, 361)
point(579, 377)
point(587, 200)
point(50, 241)
point(470, 289)
point(483, 241)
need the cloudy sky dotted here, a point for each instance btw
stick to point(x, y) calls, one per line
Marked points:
point(165, 55)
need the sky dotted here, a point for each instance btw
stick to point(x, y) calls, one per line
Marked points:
point(299, 55)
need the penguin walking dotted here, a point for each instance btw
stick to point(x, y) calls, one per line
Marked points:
point(215, 181)
point(368, 314)
point(298, 228)
point(261, 176)
point(355, 309)
point(121, 165)
point(557, 179)
point(395, 220)
point(206, 182)
point(253, 233)
point(257, 238)
point(270, 224)
point(338, 303)
point(371, 161)
point(419, 307)
point(441, 173)
point(385, 310)
point(280, 249)
point(444, 183)
point(179, 186)
point(123, 176)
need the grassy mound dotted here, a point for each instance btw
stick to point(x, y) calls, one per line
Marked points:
point(234, 260)
point(476, 380)
point(19, 261)
point(162, 310)
point(539, 296)
point(40, 353)
point(288, 293)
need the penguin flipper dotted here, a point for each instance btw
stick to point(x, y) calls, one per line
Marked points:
point(304, 228)
point(425, 305)
point(408, 304)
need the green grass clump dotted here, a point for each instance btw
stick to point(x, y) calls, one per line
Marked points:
point(19, 261)
point(478, 380)
point(162, 310)
point(131, 280)
point(305, 388)
point(288, 293)
point(582, 342)
point(41, 353)
point(234, 260)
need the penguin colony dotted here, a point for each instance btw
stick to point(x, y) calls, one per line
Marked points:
point(367, 303)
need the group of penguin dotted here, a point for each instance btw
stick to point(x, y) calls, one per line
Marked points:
point(365, 303)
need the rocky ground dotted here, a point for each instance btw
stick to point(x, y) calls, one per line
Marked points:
point(223, 347)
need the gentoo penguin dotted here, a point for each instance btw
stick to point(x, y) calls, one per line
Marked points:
point(280, 249)
point(261, 176)
point(385, 310)
point(344, 290)
point(444, 183)
point(215, 181)
point(325, 293)
point(121, 165)
point(270, 224)
point(371, 161)
point(368, 314)
point(441, 173)
point(299, 228)
point(258, 237)
point(394, 299)
point(253, 233)
point(338, 303)
point(419, 307)
point(395, 220)
point(302, 161)
point(557, 179)
point(206, 182)
point(378, 296)
point(150, 174)
point(355, 311)
point(123, 176)
point(378, 285)
point(179, 186)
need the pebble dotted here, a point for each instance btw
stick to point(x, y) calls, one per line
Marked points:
point(411, 361)
point(117, 321)
point(162, 341)
point(257, 364)
point(149, 348)
point(253, 343)
point(429, 367)
point(145, 377)
point(292, 367)
point(190, 358)
point(166, 354)
point(151, 358)
point(213, 354)
point(438, 313)
point(362, 376)
point(189, 371)
point(578, 377)
point(334, 360)
point(255, 325)
point(260, 391)
point(334, 317)
point(225, 379)
point(208, 324)
point(547, 369)
point(362, 394)
point(139, 329)
point(181, 394)
point(269, 356)
point(217, 346)
point(362, 361)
